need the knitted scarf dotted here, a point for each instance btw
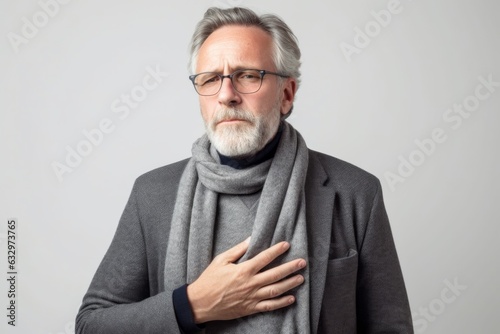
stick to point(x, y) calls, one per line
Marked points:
point(280, 216)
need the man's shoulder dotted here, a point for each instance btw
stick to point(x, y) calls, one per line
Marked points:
point(162, 178)
point(344, 175)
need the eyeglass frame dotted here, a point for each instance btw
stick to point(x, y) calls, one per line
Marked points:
point(230, 76)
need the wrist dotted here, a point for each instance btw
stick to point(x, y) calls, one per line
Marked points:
point(200, 314)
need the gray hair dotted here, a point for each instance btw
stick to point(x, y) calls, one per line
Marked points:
point(286, 52)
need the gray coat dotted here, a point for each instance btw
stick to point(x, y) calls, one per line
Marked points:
point(356, 281)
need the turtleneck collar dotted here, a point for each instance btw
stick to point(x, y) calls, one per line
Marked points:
point(265, 154)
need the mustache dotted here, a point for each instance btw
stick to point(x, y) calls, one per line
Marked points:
point(232, 113)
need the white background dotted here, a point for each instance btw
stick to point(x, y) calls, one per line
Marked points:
point(368, 109)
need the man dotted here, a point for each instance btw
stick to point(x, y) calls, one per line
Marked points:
point(255, 233)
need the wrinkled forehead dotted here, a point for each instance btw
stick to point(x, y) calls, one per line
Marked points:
point(235, 47)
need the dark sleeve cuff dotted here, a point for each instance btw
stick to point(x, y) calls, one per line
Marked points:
point(183, 312)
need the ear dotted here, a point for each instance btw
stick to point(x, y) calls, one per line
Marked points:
point(289, 89)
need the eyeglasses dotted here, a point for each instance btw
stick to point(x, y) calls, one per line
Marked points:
point(243, 81)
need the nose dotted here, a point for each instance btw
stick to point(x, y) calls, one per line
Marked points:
point(227, 94)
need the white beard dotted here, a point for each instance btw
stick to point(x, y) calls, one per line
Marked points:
point(242, 139)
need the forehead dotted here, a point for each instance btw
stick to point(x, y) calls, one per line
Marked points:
point(233, 47)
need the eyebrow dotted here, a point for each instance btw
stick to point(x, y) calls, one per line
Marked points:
point(233, 69)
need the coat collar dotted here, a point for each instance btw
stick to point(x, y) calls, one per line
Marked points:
point(320, 197)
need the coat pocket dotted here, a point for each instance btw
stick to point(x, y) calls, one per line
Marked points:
point(338, 309)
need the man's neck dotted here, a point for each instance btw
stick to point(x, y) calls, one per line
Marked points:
point(265, 154)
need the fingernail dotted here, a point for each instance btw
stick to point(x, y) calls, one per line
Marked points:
point(302, 264)
point(247, 240)
point(286, 245)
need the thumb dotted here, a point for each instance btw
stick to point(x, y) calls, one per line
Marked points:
point(234, 253)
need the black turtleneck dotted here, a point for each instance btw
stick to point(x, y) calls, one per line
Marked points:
point(265, 154)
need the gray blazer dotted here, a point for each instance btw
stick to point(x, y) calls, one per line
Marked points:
point(356, 281)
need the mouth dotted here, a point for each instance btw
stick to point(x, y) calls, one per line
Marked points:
point(231, 121)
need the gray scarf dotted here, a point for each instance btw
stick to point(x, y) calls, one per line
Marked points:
point(281, 216)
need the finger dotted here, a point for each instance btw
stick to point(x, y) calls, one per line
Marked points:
point(277, 289)
point(278, 273)
point(234, 253)
point(267, 256)
point(274, 304)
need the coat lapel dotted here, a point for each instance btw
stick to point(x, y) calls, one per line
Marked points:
point(320, 197)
